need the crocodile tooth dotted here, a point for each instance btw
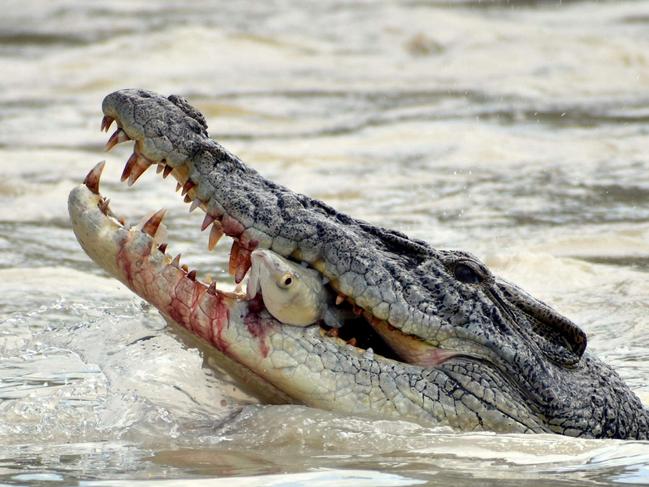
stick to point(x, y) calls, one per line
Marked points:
point(103, 205)
point(212, 288)
point(118, 136)
point(162, 247)
point(185, 267)
point(332, 333)
point(215, 235)
point(176, 261)
point(152, 224)
point(339, 299)
point(187, 186)
point(187, 198)
point(92, 179)
point(191, 275)
point(160, 168)
point(130, 164)
point(243, 264)
point(141, 165)
point(178, 186)
point(106, 122)
point(167, 170)
point(234, 258)
point(207, 221)
point(195, 204)
point(352, 341)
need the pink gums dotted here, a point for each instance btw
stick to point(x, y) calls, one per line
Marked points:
point(184, 300)
point(258, 326)
point(187, 301)
point(232, 227)
point(124, 261)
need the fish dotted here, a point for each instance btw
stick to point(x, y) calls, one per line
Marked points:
point(292, 293)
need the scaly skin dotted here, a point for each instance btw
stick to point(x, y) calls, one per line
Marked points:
point(489, 356)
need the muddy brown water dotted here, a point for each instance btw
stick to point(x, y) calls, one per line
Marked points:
point(515, 130)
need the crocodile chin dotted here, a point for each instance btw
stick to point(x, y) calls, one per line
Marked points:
point(435, 336)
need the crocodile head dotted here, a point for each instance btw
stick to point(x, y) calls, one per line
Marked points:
point(435, 337)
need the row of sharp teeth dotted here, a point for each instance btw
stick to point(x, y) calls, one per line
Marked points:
point(239, 262)
point(137, 164)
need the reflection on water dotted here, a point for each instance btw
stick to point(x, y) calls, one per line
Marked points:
point(516, 130)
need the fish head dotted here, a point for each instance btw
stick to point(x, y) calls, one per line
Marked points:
point(293, 294)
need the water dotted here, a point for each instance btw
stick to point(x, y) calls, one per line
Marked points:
point(515, 130)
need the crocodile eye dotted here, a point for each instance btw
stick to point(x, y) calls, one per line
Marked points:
point(286, 281)
point(465, 273)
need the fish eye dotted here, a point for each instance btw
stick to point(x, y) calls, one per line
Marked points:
point(465, 273)
point(286, 281)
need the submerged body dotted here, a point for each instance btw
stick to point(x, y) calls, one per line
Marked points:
point(459, 346)
point(292, 293)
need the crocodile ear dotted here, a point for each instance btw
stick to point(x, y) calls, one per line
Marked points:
point(561, 340)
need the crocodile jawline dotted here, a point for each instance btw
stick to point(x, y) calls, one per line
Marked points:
point(461, 347)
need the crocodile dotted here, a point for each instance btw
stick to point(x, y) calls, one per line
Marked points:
point(434, 337)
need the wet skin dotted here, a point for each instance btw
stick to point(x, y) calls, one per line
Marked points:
point(452, 343)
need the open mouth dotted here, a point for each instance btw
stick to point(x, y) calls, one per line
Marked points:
point(422, 333)
point(363, 330)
